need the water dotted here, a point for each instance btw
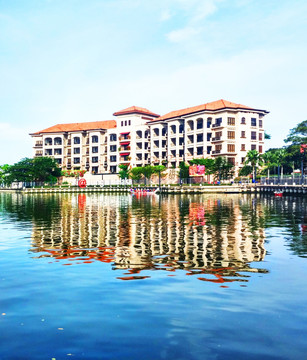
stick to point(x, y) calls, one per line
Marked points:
point(177, 277)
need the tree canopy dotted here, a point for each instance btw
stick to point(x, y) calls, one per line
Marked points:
point(298, 135)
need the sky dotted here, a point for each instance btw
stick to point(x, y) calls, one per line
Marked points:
point(65, 61)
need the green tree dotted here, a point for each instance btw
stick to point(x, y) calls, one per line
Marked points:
point(45, 169)
point(269, 159)
point(21, 171)
point(254, 158)
point(222, 168)
point(4, 172)
point(245, 170)
point(183, 170)
point(298, 135)
point(135, 173)
point(147, 171)
point(280, 156)
point(123, 172)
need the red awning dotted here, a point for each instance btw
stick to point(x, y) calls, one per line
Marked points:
point(124, 154)
point(125, 143)
point(125, 133)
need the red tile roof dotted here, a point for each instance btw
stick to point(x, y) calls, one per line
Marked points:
point(212, 106)
point(108, 124)
point(135, 110)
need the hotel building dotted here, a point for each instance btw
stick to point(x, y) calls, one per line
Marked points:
point(138, 137)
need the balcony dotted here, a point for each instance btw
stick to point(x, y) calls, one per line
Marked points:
point(38, 144)
point(214, 152)
point(217, 125)
point(217, 138)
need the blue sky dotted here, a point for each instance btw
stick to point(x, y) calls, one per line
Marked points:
point(75, 60)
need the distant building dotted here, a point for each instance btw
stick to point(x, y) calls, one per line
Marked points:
point(139, 137)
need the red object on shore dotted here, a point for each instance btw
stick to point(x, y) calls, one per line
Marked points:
point(82, 183)
point(278, 193)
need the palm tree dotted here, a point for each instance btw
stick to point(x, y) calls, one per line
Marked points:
point(254, 158)
point(280, 155)
point(269, 160)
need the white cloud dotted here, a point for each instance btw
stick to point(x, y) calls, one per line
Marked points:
point(165, 15)
point(180, 35)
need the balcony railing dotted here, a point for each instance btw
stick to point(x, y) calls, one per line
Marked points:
point(217, 125)
point(217, 138)
point(38, 144)
point(216, 152)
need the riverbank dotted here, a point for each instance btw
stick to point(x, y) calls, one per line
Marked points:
point(232, 189)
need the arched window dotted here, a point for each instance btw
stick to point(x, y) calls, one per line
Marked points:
point(190, 125)
point(243, 120)
point(48, 141)
point(200, 123)
point(57, 141)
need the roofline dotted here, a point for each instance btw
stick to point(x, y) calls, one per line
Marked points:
point(119, 113)
point(214, 111)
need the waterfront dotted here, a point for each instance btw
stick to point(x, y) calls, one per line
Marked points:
point(97, 276)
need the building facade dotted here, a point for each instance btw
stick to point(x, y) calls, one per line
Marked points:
point(138, 137)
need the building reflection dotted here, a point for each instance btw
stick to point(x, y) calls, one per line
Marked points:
point(215, 240)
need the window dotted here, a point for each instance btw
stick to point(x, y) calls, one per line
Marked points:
point(231, 161)
point(260, 136)
point(48, 152)
point(181, 141)
point(94, 139)
point(243, 147)
point(200, 137)
point(113, 158)
point(218, 122)
point(113, 137)
point(231, 135)
point(125, 122)
point(112, 169)
point(200, 151)
point(253, 122)
point(48, 141)
point(76, 140)
point(230, 148)
point(242, 134)
point(156, 132)
point(260, 123)
point(243, 121)
point(57, 141)
point(253, 135)
point(181, 128)
point(190, 125)
point(95, 149)
point(242, 160)
point(260, 149)
point(164, 131)
point(180, 153)
point(57, 151)
point(200, 123)
point(77, 160)
point(253, 147)
point(76, 150)
point(58, 161)
point(218, 148)
point(129, 122)
point(173, 128)
point(163, 143)
point(122, 123)
point(209, 121)
point(95, 159)
point(231, 121)
point(113, 148)
point(209, 149)
point(95, 169)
